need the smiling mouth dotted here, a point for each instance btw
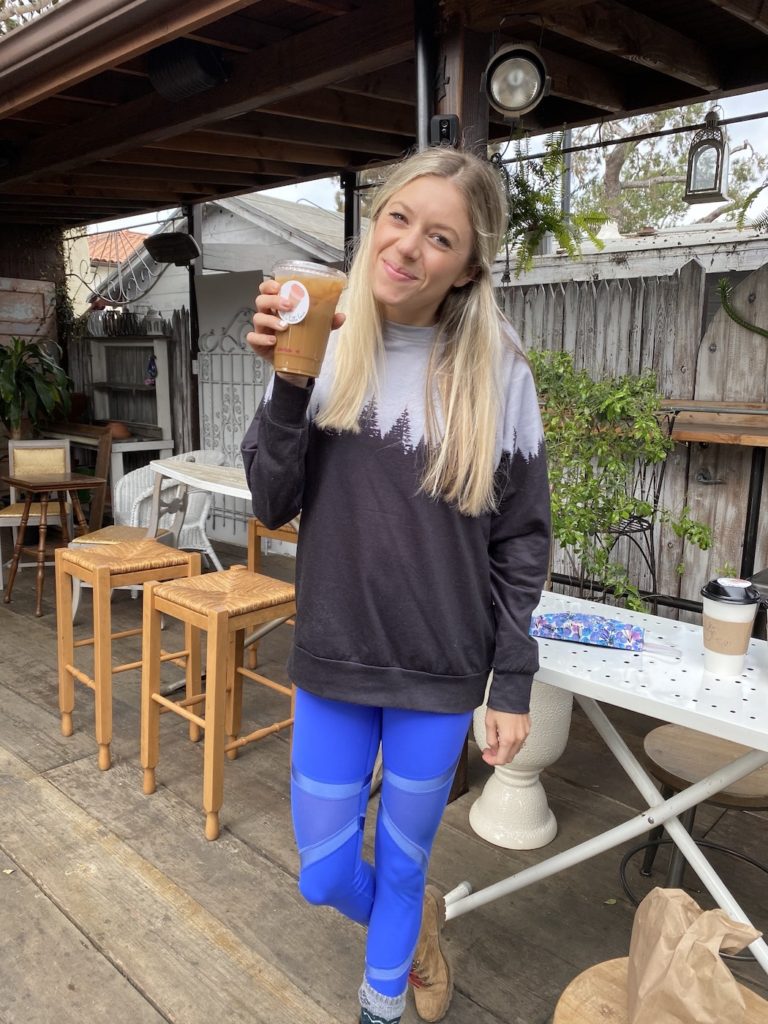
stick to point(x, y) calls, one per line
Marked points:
point(397, 272)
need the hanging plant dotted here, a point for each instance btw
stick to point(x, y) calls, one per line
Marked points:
point(534, 191)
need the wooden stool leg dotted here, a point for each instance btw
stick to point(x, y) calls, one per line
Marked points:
point(194, 686)
point(216, 692)
point(16, 558)
point(253, 562)
point(102, 664)
point(150, 685)
point(42, 531)
point(192, 638)
point(234, 714)
point(65, 643)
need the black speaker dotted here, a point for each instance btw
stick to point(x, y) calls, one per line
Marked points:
point(444, 130)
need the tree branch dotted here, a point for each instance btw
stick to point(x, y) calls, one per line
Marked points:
point(710, 218)
point(661, 179)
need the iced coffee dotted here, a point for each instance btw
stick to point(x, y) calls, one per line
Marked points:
point(313, 291)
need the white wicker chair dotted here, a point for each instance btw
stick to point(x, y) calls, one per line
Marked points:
point(132, 502)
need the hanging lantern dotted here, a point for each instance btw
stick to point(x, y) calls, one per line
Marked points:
point(707, 178)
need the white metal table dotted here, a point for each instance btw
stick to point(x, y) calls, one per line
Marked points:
point(229, 480)
point(667, 681)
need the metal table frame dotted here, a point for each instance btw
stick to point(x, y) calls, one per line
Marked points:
point(669, 684)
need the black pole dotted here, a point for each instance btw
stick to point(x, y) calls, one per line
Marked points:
point(424, 19)
point(351, 215)
point(756, 473)
point(194, 215)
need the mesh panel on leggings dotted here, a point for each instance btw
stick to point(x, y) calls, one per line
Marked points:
point(326, 814)
point(407, 811)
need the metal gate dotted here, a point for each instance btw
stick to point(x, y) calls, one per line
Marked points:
point(231, 383)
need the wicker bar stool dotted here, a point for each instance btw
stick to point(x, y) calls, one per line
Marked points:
point(225, 605)
point(105, 568)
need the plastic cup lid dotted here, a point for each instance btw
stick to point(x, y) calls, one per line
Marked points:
point(305, 267)
point(731, 590)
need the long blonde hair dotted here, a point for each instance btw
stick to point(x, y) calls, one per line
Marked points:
point(464, 364)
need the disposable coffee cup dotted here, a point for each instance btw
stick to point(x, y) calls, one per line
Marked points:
point(730, 606)
point(314, 291)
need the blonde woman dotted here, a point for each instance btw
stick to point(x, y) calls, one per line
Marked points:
point(417, 462)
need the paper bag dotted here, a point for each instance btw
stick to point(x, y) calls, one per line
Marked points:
point(675, 973)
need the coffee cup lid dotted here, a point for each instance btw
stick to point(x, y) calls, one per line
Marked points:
point(305, 267)
point(731, 590)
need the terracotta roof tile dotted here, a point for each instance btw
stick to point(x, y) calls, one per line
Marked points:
point(113, 246)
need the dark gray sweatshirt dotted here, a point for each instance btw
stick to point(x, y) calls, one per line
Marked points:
point(402, 600)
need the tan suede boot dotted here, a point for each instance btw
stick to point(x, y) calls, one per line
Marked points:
point(431, 974)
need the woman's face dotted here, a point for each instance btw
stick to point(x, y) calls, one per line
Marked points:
point(422, 243)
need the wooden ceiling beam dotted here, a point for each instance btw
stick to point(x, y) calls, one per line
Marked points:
point(613, 28)
point(575, 80)
point(225, 179)
point(96, 184)
point(186, 161)
point(77, 41)
point(375, 36)
point(394, 83)
point(754, 12)
point(249, 148)
point(80, 206)
point(328, 106)
point(266, 125)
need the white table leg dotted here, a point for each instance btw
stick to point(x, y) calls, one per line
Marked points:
point(660, 812)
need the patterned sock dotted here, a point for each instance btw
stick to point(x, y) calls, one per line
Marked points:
point(376, 1008)
point(366, 1017)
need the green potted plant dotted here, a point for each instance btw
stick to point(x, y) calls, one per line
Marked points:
point(33, 384)
point(606, 446)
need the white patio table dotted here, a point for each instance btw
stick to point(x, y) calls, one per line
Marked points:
point(229, 480)
point(666, 681)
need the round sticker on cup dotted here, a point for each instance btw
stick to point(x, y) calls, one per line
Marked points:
point(298, 295)
point(730, 581)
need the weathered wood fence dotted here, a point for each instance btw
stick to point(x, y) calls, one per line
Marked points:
point(613, 327)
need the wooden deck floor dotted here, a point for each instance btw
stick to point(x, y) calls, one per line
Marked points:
point(115, 907)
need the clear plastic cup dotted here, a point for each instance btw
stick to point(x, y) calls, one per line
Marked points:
point(314, 290)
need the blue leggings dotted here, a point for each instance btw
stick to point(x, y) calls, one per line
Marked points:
point(334, 749)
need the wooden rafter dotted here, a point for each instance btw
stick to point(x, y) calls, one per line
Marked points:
point(125, 38)
point(613, 28)
point(576, 80)
point(754, 12)
point(374, 37)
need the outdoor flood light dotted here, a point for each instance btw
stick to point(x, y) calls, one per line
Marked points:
point(516, 79)
point(707, 177)
point(172, 247)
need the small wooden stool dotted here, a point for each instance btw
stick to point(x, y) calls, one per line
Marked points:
point(104, 568)
point(225, 605)
point(599, 994)
point(677, 757)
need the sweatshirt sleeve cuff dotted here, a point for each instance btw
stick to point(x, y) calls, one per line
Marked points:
point(288, 403)
point(511, 692)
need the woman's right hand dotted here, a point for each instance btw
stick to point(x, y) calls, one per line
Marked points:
point(267, 325)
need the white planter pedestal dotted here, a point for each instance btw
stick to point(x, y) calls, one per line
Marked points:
point(512, 811)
